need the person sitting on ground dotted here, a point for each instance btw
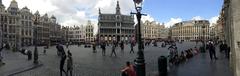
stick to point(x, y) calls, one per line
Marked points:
point(128, 70)
point(188, 56)
point(182, 57)
point(196, 49)
point(191, 53)
point(176, 59)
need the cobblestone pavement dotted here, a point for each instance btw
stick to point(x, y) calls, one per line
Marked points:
point(87, 63)
point(15, 61)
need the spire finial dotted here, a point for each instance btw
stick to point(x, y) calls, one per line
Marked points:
point(118, 8)
point(118, 4)
point(99, 11)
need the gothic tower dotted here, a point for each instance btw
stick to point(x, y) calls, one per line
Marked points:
point(118, 8)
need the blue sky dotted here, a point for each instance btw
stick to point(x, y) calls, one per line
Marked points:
point(163, 10)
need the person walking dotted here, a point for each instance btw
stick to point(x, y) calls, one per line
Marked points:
point(62, 62)
point(67, 44)
point(212, 51)
point(103, 46)
point(94, 48)
point(69, 63)
point(122, 46)
point(128, 70)
point(113, 49)
point(221, 49)
point(44, 50)
point(1, 62)
point(132, 51)
point(225, 49)
point(58, 47)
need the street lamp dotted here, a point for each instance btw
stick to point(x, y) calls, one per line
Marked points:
point(140, 62)
point(35, 55)
point(204, 45)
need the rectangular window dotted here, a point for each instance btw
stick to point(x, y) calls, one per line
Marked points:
point(118, 30)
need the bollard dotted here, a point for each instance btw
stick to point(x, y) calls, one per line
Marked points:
point(162, 66)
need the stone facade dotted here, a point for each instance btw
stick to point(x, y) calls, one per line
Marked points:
point(191, 30)
point(76, 34)
point(3, 23)
point(13, 24)
point(231, 9)
point(17, 26)
point(153, 30)
point(220, 33)
point(55, 31)
point(163, 33)
point(64, 34)
point(115, 26)
point(89, 32)
point(26, 23)
point(42, 25)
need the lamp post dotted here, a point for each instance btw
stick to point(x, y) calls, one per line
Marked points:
point(1, 38)
point(140, 62)
point(2, 34)
point(204, 45)
point(35, 54)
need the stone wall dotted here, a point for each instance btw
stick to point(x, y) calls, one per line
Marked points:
point(234, 21)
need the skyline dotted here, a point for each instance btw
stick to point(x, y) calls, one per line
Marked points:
point(77, 12)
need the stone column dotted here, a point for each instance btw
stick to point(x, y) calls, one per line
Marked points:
point(233, 20)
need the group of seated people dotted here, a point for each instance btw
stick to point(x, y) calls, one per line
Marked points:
point(175, 58)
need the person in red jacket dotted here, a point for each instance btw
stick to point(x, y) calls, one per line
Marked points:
point(129, 70)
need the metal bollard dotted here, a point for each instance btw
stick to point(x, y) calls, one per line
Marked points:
point(162, 66)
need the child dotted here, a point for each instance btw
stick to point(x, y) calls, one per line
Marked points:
point(69, 63)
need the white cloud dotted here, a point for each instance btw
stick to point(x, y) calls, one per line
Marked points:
point(172, 21)
point(197, 18)
point(148, 17)
point(104, 4)
point(42, 5)
point(70, 22)
point(81, 14)
point(213, 20)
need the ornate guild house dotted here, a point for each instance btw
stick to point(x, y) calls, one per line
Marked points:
point(115, 26)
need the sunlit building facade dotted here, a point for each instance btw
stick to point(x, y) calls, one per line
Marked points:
point(191, 30)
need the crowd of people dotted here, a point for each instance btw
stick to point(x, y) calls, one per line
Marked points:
point(176, 57)
point(114, 45)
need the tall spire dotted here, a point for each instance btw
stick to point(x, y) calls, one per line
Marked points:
point(99, 11)
point(118, 8)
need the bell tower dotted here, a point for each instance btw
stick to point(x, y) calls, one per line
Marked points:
point(118, 8)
